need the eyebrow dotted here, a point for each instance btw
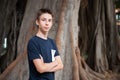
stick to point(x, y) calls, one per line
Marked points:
point(46, 18)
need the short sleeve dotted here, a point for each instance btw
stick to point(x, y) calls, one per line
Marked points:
point(32, 50)
point(55, 46)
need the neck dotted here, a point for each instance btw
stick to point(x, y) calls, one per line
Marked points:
point(42, 35)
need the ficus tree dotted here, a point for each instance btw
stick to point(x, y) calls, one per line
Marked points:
point(85, 33)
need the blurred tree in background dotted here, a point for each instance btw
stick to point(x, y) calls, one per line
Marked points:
point(86, 33)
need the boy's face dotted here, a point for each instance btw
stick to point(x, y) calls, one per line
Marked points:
point(45, 22)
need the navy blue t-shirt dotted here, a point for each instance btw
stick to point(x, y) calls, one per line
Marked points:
point(36, 48)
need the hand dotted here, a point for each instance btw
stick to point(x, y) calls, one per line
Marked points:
point(55, 62)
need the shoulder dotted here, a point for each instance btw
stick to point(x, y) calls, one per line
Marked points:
point(32, 40)
point(51, 40)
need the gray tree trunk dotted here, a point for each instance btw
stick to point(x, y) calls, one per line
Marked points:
point(82, 29)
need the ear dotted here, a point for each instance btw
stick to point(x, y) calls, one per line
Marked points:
point(36, 22)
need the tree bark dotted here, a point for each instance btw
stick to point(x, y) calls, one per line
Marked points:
point(84, 31)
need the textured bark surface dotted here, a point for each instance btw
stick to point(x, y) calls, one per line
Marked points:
point(85, 34)
point(8, 31)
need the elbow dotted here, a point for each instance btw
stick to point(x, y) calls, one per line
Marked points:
point(61, 67)
point(41, 71)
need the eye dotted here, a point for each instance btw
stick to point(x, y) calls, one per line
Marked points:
point(43, 19)
point(50, 20)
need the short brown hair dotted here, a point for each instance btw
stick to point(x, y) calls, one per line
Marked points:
point(42, 11)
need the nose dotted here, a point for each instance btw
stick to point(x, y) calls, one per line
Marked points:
point(47, 23)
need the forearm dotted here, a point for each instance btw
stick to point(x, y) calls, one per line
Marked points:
point(59, 66)
point(44, 67)
point(50, 66)
point(56, 68)
point(47, 67)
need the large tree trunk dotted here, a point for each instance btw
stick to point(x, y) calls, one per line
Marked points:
point(101, 35)
point(8, 33)
point(83, 31)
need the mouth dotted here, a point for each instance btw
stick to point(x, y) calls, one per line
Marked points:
point(46, 28)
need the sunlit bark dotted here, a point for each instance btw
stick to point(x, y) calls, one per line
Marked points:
point(85, 35)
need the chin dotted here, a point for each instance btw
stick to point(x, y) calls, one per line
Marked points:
point(46, 30)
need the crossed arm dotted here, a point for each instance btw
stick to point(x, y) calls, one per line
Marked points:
point(48, 67)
